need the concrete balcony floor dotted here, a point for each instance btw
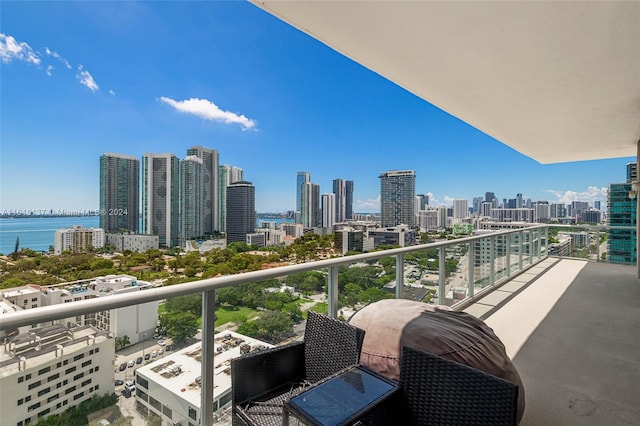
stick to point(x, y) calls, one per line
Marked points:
point(572, 328)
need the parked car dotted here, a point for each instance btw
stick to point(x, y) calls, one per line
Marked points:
point(139, 360)
point(157, 336)
point(130, 385)
point(126, 392)
point(162, 342)
point(123, 366)
point(118, 382)
point(160, 351)
point(147, 356)
point(154, 354)
point(131, 363)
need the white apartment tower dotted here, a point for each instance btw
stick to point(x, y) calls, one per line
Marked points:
point(192, 201)
point(226, 176)
point(160, 197)
point(328, 210)
point(208, 191)
point(77, 238)
point(460, 209)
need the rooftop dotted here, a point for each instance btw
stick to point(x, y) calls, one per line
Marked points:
point(178, 372)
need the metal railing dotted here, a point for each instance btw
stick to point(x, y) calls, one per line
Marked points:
point(488, 260)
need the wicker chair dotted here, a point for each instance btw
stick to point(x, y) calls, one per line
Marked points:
point(262, 381)
point(439, 391)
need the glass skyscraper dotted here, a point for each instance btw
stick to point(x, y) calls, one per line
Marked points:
point(397, 197)
point(119, 193)
point(160, 197)
point(241, 212)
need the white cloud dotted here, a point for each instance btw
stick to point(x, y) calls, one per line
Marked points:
point(591, 194)
point(112, 93)
point(448, 201)
point(434, 202)
point(11, 49)
point(367, 206)
point(86, 79)
point(209, 111)
point(57, 56)
point(49, 70)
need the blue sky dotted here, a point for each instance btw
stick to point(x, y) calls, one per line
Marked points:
point(82, 78)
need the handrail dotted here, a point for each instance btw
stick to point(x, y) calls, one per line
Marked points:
point(13, 320)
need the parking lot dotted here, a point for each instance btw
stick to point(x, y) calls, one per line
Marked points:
point(125, 356)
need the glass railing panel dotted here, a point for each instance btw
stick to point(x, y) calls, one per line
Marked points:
point(481, 264)
point(514, 252)
point(501, 250)
point(456, 273)
point(421, 276)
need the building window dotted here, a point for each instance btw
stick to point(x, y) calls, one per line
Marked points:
point(27, 377)
point(71, 389)
point(78, 376)
point(167, 411)
point(65, 362)
point(142, 382)
point(98, 368)
point(34, 406)
point(34, 299)
point(140, 394)
point(44, 391)
point(27, 398)
point(97, 350)
point(155, 403)
point(20, 401)
point(78, 396)
point(84, 364)
point(85, 383)
point(77, 357)
point(53, 377)
point(97, 387)
point(70, 370)
point(34, 384)
point(58, 365)
point(43, 371)
point(53, 397)
point(44, 412)
point(20, 379)
point(192, 413)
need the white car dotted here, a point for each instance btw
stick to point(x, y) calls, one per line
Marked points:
point(162, 342)
point(154, 354)
point(131, 363)
point(160, 351)
point(130, 385)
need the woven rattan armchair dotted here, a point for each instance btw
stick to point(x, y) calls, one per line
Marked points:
point(263, 380)
point(438, 391)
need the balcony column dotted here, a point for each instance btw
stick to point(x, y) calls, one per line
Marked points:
point(520, 248)
point(399, 275)
point(492, 260)
point(507, 241)
point(208, 332)
point(332, 292)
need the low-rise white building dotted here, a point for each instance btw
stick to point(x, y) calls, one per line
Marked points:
point(132, 321)
point(51, 369)
point(135, 242)
point(170, 386)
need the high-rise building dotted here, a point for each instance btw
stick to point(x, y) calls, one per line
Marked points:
point(77, 238)
point(486, 208)
point(119, 193)
point(489, 196)
point(241, 211)
point(348, 203)
point(160, 197)
point(519, 201)
point(328, 210)
point(542, 211)
point(397, 197)
point(460, 209)
point(596, 205)
point(226, 176)
point(632, 172)
point(301, 179)
point(340, 192)
point(209, 188)
point(192, 201)
point(310, 205)
point(622, 212)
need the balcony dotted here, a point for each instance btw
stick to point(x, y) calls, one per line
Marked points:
point(570, 325)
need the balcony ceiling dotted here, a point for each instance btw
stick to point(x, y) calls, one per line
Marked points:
point(556, 81)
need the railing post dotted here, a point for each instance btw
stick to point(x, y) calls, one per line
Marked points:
point(530, 247)
point(597, 244)
point(470, 262)
point(208, 333)
point(441, 276)
point(492, 260)
point(332, 292)
point(399, 275)
point(507, 252)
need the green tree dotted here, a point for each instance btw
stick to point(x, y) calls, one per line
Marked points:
point(180, 326)
point(122, 342)
point(189, 303)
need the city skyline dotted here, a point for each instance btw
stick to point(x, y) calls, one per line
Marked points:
point(163, 77)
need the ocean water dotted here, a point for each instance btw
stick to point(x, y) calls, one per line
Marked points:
point(37, 233)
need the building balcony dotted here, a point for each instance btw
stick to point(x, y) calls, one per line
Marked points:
point(568, 324)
